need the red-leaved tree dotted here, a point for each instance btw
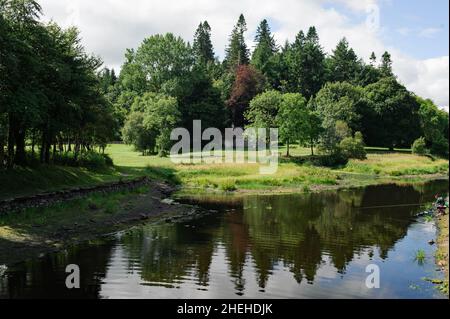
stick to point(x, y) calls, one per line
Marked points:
point(248, 83)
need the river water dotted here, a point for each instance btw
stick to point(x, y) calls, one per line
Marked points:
point(314, 245)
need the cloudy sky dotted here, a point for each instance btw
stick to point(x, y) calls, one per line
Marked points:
point(414, 31)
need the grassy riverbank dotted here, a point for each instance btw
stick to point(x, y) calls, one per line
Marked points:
point(442, 254)
point(380, 167)
point(291, 176)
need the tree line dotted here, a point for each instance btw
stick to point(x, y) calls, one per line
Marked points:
point(51, 101)
point(54, 98)
point(313, 97)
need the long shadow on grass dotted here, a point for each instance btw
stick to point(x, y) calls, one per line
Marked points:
point(163, 174)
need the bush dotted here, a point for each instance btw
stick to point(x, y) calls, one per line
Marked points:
point(90, 159)
point(330, 160)
point(353, 147)
point(440, 147)
point(419, 146)
point(228, 186)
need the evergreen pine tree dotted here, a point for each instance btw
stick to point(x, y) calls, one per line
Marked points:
point(203, 48)
point(237, 52)
point(265, 49)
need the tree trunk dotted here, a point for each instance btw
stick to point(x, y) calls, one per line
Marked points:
point(54, 150)
point(47, 152)
point(312, 148)
point(10, 159)
point(42, 154)
point(288, 149)
point(33, 143)
point(20, 157)
point(60, 144)
point(2, 152)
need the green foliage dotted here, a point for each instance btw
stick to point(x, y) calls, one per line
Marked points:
point(89, 159)
point(305, 61)
point(396, 109)
point(420, 256)
point(237, 53)
point(51, 92)
point(435, 126)
point(150, 122)
point(56, 98)
point(228, 185)
point(203, 48)
point(263, 110)
point(344, 65)
point(334, 133)
point(419, 146)
point(165, 61)
point(293, 119)
point(340, 102)
point(353, 147)
point(264, 55)
point(386, 65)
point(330, 160)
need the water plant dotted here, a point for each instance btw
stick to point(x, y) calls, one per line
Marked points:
point(420, 256)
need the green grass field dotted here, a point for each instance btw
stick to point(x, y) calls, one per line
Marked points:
point(289, 175)
point(224, 177)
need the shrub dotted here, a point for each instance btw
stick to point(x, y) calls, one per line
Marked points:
point(330, 160)
point(419, 146)
point(353, 147)
point(440, 147)
point(90, 159)
point(228, 186)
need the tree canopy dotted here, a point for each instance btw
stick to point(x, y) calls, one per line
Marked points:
point(56, 99)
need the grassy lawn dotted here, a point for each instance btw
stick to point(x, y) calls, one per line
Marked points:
point(289, 175)
point(222, 177)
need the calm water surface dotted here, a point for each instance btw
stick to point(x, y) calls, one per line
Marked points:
point(286, 246)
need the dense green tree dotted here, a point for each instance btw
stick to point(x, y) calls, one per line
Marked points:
point(150, 122)
point(435, 126)
point(166, 61)
point(341, 101)
point(396, 110)
point(292, 119)
point(132, 77)
point(237, 53)
point(203, 48)
point(386, 65)
point(50, 90)
point(107, 79)
point(313, 126)
point(344, 64)
point(202, 101)
point(263, 110)
point(306, 64)
point(264, 56)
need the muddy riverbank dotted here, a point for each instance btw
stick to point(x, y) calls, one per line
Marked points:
point(39, 230)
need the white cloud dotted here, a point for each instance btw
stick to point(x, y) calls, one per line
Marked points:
point(404, 31)
point(429, 32)
point(427, 78)
point(108, 27)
